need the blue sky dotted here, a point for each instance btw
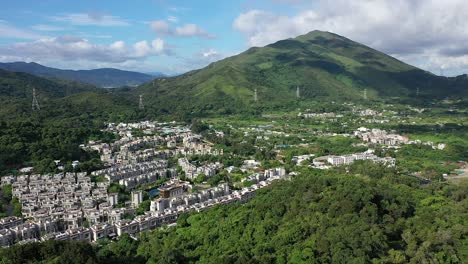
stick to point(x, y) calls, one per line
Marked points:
point(177, 36)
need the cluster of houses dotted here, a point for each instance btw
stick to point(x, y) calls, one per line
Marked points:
point(378, 136)
point(133, 175)
point(192, 171)
point(174, 196)
point(439, 146)
point(69, 206)
point(60, 207)
point(319, 115)
point(173, 202)
point(267, 174)
point(301, 158)
point(326, 162)
point(367, 112)
point(159, 140)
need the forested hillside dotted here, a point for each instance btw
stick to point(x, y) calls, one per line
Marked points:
point(106, 77)
point(324, 66)
point(316, 218)
point(70, 114)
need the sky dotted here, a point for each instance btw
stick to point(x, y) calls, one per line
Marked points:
point(175, 36)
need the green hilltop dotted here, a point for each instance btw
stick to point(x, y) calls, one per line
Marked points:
point(20, 85)
point(324, 66)
point(58, 98)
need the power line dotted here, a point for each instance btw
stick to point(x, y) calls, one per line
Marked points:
point(141, 105)
point(35, 103)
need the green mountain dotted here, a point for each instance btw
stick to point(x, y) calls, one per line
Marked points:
point(323, 65)
point(57, 98)
point(71, 112)
point(106, 77)
point(19, 85)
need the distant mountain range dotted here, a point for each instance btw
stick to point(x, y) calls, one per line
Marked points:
point(105, 77)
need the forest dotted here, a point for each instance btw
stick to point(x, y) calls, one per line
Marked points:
point(358, 216)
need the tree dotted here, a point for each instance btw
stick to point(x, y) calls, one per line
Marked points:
point(200, 178)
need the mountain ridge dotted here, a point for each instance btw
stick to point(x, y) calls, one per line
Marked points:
point(103, 77)
point(324, 65)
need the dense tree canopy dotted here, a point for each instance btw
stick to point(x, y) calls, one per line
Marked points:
point(319, 217)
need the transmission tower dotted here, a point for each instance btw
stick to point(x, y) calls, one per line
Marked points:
point(365, 94)
point(417, 91)
point(298, 93)
point(141, 106)
point(35, 103)
point(255, 95)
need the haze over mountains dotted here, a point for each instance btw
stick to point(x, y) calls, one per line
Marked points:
point(104, 77)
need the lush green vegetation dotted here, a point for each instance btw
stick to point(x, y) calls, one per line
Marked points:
point(368, 215)
point(100, 77)
point(362, 213)
point(325, 66)
point(71, 114)
point(8, 205)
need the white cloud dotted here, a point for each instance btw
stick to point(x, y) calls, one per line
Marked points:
point(201, 59)
point(91, 19)
point(9, 31)
point(172, 19)
point(432, 28)
point(70, 48)
point(118, 46)
point(158, 45)
point(210, 53)
point(186, 30)
point(143, 49)
point(160, 27)
point(192, 30)
point(42, 27)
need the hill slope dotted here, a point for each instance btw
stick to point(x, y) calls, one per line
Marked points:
point(106, 77)
point(19, 85)
point(57, 98)
point(324, 65)
point(70, 113)
point(326, 218)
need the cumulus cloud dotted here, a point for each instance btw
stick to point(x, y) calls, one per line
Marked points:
point(191, 30)
point(161, 27)
point(399, 27)
point(186, 30)
point(90, 19)
point(69, 48)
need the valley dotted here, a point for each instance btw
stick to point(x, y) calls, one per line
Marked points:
point(315, 149)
